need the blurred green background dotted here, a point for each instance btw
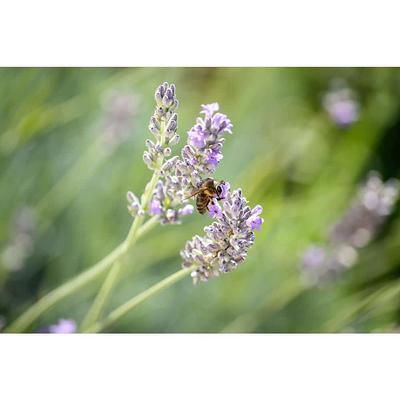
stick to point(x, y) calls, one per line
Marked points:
point(71, 145)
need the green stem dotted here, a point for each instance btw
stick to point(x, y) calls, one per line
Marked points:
point(56, 295)
point(97, 307)
point(105, 290)
point(140, 298)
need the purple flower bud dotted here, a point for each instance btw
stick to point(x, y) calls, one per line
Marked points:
point(63, 326)
point(134, 206)
point(131, 198)
point(174, 140)
point(155, 207)
point(148, 159)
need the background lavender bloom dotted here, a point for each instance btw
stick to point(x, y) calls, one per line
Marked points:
point(341, 106)
point(120, 108)
point(374, 202)
point(226, 242)
point(63, 326)
point(359, 225)
point(323, 264)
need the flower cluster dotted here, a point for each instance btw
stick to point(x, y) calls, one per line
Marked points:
point(229, 237)
point(341, 106)
point(360, 224)
point(178, 176)
point(226, 241)
point(168, 201)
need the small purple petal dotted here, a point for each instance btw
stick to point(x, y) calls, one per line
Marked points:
point(215, 157)
point(63, 326)
point(257, 210)
point(209, 109)
point(254, 222)
point(215, 210)
point(155, 207)
point(197, 137)
point(221, 124)
point(225, 189)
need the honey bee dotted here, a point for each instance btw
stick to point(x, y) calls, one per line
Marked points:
point(206, 193)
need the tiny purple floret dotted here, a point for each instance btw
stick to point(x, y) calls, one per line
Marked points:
point(255, 221)
point(197, 137)
point(215, 210)
point(225, 189)
point(209, 109)
point(155, 207)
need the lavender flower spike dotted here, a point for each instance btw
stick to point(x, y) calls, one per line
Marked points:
point(227, 239)
point(203, 151)
point(163, 125)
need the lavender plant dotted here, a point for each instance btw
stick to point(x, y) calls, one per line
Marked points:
point(165, 200)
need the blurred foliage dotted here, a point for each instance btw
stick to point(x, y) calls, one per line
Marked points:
point(286, 154)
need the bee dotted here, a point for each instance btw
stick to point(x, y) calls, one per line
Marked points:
point(206, 193)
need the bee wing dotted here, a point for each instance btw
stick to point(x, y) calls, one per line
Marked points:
point(194, 194)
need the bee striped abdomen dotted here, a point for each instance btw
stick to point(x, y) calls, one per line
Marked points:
point(202, 201)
